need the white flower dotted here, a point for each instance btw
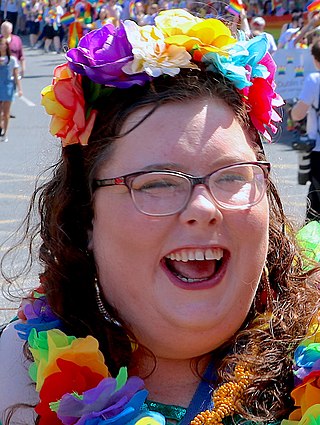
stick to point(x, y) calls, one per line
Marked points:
point(151, 54)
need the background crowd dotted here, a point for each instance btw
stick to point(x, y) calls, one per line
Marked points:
point(51, 23)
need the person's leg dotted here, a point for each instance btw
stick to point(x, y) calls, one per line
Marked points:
point(47, 44)
point(56, 43)
point(6, 117)
point(1, 117)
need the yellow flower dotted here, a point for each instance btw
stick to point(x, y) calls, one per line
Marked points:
point(175, 22)
point(311, 417)
point(306, 395)
point(151, 54)
point(180, 28)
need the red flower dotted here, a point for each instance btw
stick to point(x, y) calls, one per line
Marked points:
point(71, 378)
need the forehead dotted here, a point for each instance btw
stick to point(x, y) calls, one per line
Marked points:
point(196, 135)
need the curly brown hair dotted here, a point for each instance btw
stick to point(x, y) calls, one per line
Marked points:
point(266, 341)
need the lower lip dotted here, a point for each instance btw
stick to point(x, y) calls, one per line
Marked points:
point(205, 284)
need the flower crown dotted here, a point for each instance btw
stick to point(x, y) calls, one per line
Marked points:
point(120, 57)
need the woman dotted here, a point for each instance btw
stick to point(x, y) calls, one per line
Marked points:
point(33, 13)
point(9, 80)
point(163, 240)
point(53, 29)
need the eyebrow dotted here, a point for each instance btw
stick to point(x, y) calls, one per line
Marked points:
point(163, 166)
point(179, 167)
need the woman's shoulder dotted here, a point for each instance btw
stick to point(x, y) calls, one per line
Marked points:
point(16, 386)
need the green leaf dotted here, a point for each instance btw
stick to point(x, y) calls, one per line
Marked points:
point(121, 378)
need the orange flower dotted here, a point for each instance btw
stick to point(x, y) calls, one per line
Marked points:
point(306, 395)
point(64, 100)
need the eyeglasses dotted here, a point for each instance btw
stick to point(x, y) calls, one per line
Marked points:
point(162, 193)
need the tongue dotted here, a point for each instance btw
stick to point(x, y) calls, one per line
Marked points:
point(193, 269)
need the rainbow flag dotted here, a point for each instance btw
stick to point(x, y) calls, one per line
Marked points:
point(132, 12)
point(299, 71)
point(67, 18)
point(314, 6)
point(276, 4)
point(235, 7)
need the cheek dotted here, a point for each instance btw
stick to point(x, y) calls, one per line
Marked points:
point(125, 241)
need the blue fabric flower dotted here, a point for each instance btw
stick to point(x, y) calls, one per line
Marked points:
point(305, 356)
point(113, 401)
point(242, 63)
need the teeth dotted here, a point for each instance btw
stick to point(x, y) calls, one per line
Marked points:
point(196, 254)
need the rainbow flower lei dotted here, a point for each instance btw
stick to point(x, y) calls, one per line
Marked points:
point(76, 388)
point(118, 58)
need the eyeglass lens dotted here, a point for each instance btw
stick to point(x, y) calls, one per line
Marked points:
point(163, 193)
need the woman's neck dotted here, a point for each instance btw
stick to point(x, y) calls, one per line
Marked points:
point(172, 381)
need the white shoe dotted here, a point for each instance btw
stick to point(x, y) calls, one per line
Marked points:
point(4, 139)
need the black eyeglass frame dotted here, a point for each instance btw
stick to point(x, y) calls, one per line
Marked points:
point(127, 180)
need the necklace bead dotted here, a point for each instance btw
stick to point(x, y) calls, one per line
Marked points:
point(224, 399)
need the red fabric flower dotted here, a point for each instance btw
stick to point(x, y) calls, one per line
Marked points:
point(71, 378)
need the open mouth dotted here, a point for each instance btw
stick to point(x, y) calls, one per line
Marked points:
point(195, 265)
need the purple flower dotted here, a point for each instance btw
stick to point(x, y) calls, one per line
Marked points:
point(39, 308)
point(100, 56)
point(39, 316)
point(105, 402)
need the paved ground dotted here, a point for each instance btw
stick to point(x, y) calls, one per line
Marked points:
point(31, 149)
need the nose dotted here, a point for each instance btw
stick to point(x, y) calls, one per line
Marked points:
point(201, 208)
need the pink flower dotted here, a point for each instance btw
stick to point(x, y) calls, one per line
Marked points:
point(262, 99)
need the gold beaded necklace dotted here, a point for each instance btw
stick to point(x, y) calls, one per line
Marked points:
point(224, 399)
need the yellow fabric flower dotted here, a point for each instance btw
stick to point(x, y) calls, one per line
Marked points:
point(151, 54)
point(47, 347)
point(311, 417)
point(306, 395)
point(175, 22)
point(180, 28)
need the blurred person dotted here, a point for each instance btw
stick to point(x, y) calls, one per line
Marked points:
point(33, 13)
point(289, 35)
point(257, 28)
point(308, 105)
point(9, 11)
point(152, 12)
point(296, 22)
point(9, 81)
point(114, 12)
point(52, 29)
point(15, 45)
point(139, 13)
point(102, 18)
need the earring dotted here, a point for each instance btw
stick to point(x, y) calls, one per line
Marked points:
point(267, 294)
point(102, 308)
point(264, 301)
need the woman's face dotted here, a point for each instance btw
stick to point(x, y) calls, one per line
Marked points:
point(179, 317)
